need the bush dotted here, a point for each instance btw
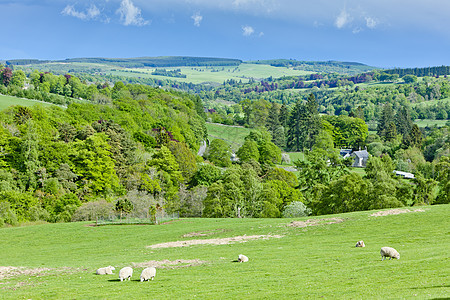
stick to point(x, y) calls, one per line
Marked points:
point(296, 209)
point(92, 210)
point(37, 213)
point(7, 214)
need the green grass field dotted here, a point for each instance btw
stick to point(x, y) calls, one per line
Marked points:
point(234, 136)
point(217, 74)
point(301, 263)
point(430, 123)
point(7, 101)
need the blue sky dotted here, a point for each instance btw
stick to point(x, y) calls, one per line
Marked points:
point(382, 33)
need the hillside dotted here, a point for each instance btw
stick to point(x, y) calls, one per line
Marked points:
point(7, 101)
point(161, 61)
point(285, 261)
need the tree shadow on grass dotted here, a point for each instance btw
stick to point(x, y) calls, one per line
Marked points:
point(430, 287)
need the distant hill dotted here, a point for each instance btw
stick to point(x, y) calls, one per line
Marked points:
point(350, 68)
point(161, 61)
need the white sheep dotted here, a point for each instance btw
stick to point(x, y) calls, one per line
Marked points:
point(148, 273)
point(105, 271)
point(242, 258)
point(360, 244)
point(389, 252)
point(125, 273)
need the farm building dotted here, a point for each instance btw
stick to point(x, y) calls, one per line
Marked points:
point(359, 157)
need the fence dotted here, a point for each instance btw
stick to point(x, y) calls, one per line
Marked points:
point(158, 218)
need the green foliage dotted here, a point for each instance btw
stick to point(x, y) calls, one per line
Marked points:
point(94, 210)
point(206, 175)
point(296, 209)
point(347, 132)
point(248, 151)
point(443, 175)
point(219, 153)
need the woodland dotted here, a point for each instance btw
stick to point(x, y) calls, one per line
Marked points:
point(129, 145)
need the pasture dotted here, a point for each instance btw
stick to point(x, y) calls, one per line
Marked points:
point(58, 261)
point(217, 74)
point(430, 123)
point(7, 101)
point(233, 135)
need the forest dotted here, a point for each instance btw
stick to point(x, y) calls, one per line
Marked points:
point(129, 148)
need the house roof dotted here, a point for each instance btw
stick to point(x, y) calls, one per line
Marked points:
point(361, 154)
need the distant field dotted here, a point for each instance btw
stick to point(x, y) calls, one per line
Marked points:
point(215, 74)
point(430, 123)
point(296, 156)
point(7, 101)
point(58, 261)
point(431, 102)
point(234, 136)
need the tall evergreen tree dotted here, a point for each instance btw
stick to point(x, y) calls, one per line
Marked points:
point(403, 121)
point(284, 115)
point(387, 117)
point(413, 138)
point(304, 125)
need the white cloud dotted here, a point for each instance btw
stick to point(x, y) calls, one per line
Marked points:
point(343, 19)
point(130, 14)
point(371, 22)
point(197, 19)
point(91, 13)
point(247, 30)
point(357, 30)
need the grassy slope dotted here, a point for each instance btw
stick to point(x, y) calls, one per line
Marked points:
point(204, 74)
point(233, 135)
point(6, 101)
point(310, 262)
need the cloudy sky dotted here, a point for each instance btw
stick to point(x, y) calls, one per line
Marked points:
point(382, 33)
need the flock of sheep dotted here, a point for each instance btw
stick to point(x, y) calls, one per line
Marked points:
point(385, 251)
point(147, 273)
point(150, 273)
point(127, 272)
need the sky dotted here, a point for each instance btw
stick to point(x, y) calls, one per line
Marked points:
point(380, 33)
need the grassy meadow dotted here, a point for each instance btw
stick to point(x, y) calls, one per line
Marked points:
point(430, 123)
point(7, 101)
point(217, 74)
point(233, 135)
point(300, 262)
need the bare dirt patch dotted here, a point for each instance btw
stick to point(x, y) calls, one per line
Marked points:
point(222, 241)
point(10, 272)
point(396, 211)
point(315, 222)
point(168, 264)
point(203, 233)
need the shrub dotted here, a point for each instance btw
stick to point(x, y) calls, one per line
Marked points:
point(7, 214)
point(92, 210)
point(296, 209)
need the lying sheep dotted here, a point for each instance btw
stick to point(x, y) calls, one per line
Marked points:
point(389, 252)
point(360, 244)
point(148, 273)
point(125, 273)
point(105, 271)
point(242, 258)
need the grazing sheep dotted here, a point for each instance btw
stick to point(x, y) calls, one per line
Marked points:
point(125, 273)
point(148, 273)
point(389, 252)
point(242, 258)
point(106, 270)
point(360, 244)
